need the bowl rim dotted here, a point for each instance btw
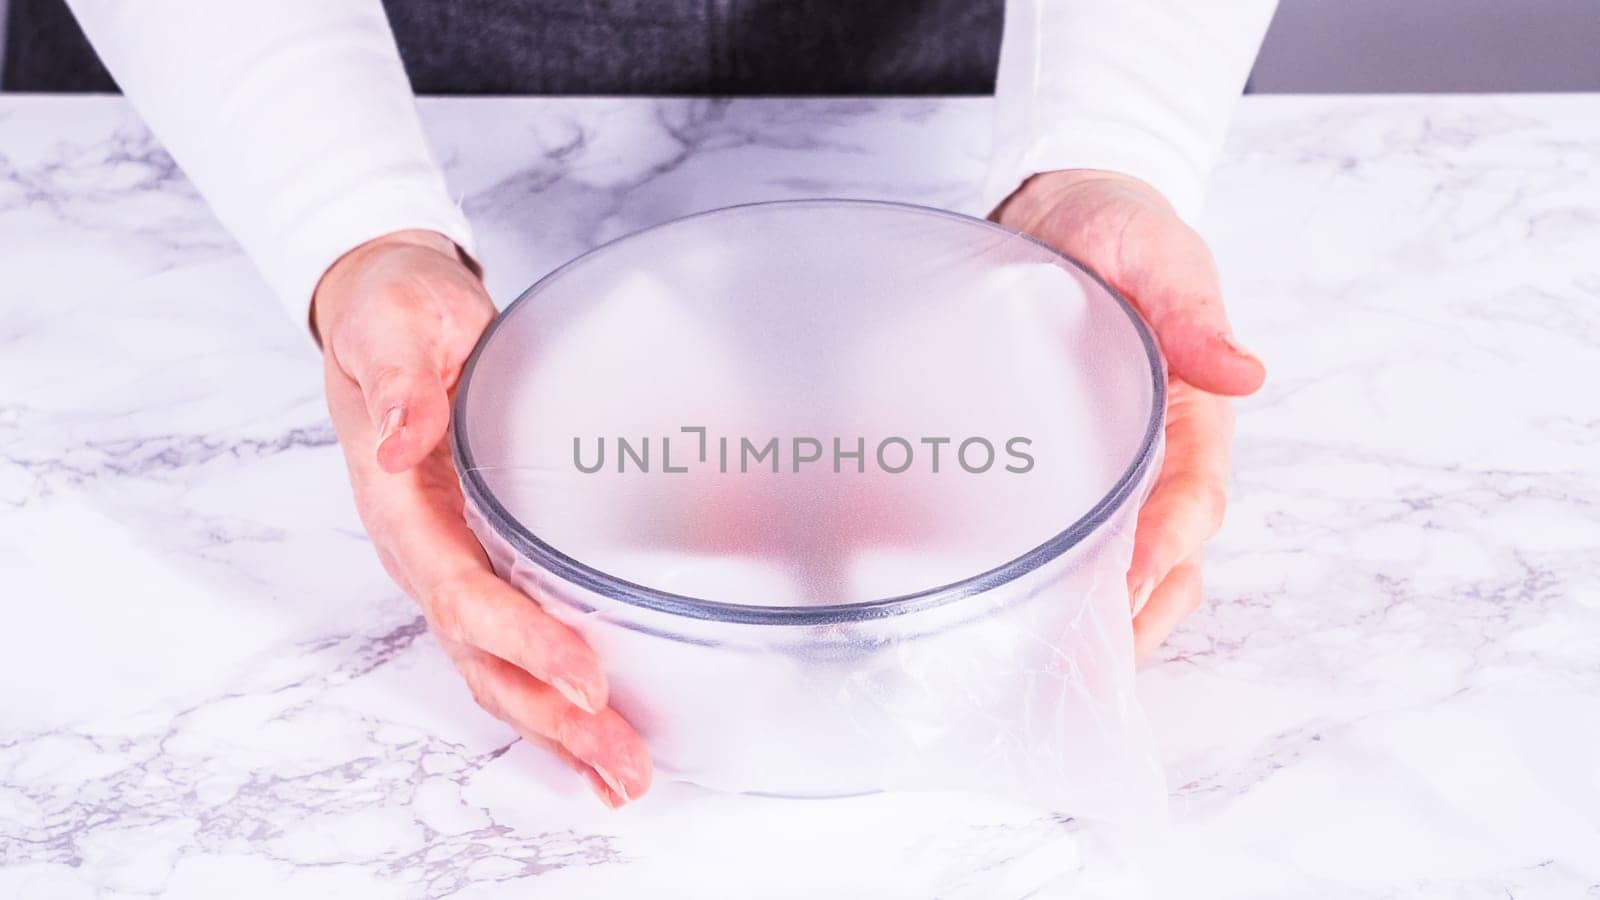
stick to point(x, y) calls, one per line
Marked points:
point(529, 545)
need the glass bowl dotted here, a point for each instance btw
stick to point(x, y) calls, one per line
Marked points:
point(842, 493)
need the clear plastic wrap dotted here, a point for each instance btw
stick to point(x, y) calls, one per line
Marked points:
point(842, 493)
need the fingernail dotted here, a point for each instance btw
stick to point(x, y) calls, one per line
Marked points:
point(613, 783)
point(598, 786)
point(392, 421)
point(1141, 594)
point(1235, 346)
point(574, 696)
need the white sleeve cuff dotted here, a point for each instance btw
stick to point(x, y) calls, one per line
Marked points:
point(1107, 146)
point(368, 210)
point(294, 119)
point(1142, 87)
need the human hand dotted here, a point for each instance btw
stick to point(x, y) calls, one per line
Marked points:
point(1129, 235)
point(398, 317)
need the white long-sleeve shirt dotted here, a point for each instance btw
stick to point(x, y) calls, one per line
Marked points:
point(295, 120)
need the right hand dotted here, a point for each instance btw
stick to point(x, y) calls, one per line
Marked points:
point(1129, 235)
point(398, 317)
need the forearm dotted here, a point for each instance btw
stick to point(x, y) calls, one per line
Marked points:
point(293, 118)
point(1142, 87)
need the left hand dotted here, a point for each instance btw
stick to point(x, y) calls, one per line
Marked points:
point(1129, 235)
point(398, 317)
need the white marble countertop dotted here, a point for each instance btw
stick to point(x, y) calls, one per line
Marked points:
point(210, 689)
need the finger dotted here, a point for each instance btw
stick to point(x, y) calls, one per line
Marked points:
point(1135, 241)
point(415, 520)
point(403, 314)
point(1187, 505)
point(1173, 600)
point(602, 741)
point(590, 776)
point(488, 694)
point(401, 375)
point(1168, 272)
point(472, 606)
point(1199, 346)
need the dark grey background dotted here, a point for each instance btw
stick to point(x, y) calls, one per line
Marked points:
point(623, 46)
point(883, 46)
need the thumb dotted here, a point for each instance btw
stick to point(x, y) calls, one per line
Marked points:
point(405, 396)
point(1200, 348)
point(399, 316)
point(1169, 274)
point(1122, 229)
